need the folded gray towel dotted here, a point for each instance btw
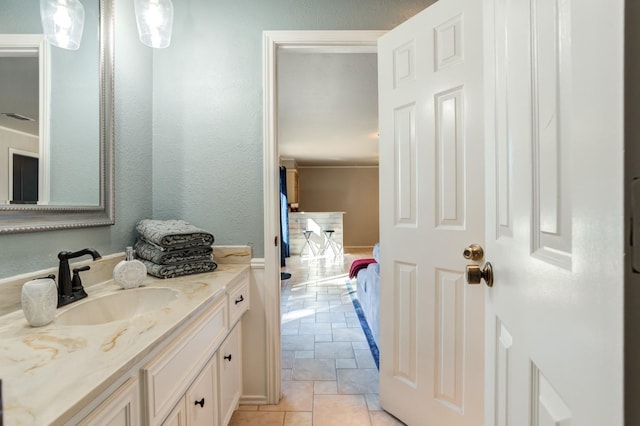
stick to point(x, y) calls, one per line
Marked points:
point(155, 254)
point(173, 233)
point(179, 270)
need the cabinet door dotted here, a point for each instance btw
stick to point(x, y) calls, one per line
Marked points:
point(119, 409)
point(167, 377)
point(201, 398)
point(230, 372)
point(177, 416)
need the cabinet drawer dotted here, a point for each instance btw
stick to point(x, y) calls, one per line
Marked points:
point(168, 376)
point(239, 299)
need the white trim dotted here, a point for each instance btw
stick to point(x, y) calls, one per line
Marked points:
point(324, 41)
point(27, 45)
point(44, 183)
point(253, 400)
point(257, 263)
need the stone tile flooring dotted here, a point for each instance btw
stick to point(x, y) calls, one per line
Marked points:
point(328, 374)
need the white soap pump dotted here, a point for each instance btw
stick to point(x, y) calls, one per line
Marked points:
point(130, 272)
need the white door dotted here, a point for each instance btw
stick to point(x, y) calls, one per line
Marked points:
point(554, 212)
point(432, 207)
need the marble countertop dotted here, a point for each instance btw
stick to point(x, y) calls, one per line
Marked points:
point(48, 372)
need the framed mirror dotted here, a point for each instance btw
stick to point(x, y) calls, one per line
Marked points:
point(61, 146)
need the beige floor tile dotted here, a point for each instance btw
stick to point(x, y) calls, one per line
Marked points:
point(329, 387)
point(346, 363)
point(334, 350)
point(314, 369)
point(296, 396)
point(285, 375)
point(358, 381)
point(373, 402)
point(256, 418)
point(382, 418)
point(340, 410)
point(298, 418)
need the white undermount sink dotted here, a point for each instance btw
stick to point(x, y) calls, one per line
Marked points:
point(121, 305)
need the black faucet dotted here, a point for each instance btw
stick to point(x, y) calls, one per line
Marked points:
point(72, 290)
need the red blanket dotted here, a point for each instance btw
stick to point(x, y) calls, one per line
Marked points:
point(359, 264)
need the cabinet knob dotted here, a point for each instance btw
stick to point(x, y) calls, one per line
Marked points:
point(200, 403)
point(240, 299)
point(227, 357)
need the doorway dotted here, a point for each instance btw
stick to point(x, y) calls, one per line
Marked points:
point(345, 41)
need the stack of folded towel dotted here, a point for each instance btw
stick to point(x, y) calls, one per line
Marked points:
point(173, 248)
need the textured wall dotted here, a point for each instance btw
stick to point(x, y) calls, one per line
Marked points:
point(208, 163)
point(351, 190)
point(21, 253)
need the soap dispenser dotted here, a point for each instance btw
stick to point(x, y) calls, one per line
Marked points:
point(130, 272)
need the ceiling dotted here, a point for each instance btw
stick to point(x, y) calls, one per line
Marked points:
point(19, 92)
point(328, 108)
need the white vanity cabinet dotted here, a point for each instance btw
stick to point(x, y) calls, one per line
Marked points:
point(168, 376)
point(230, 373)
point(197, 378)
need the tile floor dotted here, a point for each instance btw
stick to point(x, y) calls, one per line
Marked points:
point(328, 374)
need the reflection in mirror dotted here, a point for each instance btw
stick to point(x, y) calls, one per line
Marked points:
point(24, 109)
point(56, 138)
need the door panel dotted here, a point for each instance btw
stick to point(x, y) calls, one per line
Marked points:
point(550, 69)
point(432, 207)
point(554, 213)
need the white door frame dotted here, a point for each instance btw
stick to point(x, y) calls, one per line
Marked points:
point(321, 41)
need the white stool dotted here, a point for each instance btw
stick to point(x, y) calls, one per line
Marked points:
point(307, 235)
point(328, 233)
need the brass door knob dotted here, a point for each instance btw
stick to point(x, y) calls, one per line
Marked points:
point(475, 275)
point(473, 252)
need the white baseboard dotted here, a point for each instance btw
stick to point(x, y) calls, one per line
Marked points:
point(358, 247)
point(253, 399)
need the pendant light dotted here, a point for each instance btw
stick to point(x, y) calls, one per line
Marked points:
point(155, 22)
point(62, 22)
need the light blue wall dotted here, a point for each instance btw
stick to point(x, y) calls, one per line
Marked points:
point(207, 141)
point(200, 101)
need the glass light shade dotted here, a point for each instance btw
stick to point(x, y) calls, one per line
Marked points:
point(62, 22)
point(155, 22)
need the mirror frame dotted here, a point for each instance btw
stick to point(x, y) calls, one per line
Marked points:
point(30, 218)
